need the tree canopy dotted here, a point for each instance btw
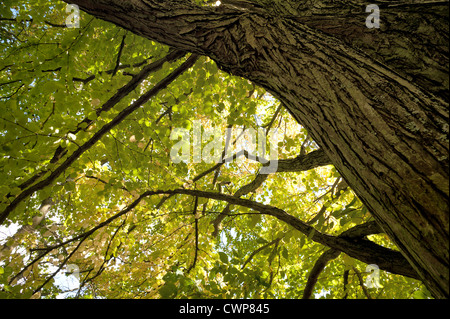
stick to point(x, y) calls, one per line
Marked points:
point(87, 180)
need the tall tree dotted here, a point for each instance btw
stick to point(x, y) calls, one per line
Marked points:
point(386, 133)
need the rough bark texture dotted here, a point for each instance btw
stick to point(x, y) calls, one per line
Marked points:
point(352, 242)
point(373, 99)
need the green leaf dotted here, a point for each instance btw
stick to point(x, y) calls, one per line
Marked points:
point(92, 115)
point(223, 257)
point(285, 253)
point(349, 262)
point(254, 220)
point(50, 106)
point(168, 290)
point(261, 240)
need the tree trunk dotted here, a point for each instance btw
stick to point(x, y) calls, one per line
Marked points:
point(379, 113)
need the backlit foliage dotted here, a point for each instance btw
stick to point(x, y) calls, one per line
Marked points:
point(53, 78)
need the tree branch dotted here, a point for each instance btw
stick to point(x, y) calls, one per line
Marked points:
point(273, 242)
point(99, 134)
point(361, 283)
point(361, 249)
point(359, 231)
point(122, 66)
point(319, 266)
point(346, 273)
point(300, 163)
point(119, 55)
point(306, 162)
point(196, 236)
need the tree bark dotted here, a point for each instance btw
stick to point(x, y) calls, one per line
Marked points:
point(379, 114)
